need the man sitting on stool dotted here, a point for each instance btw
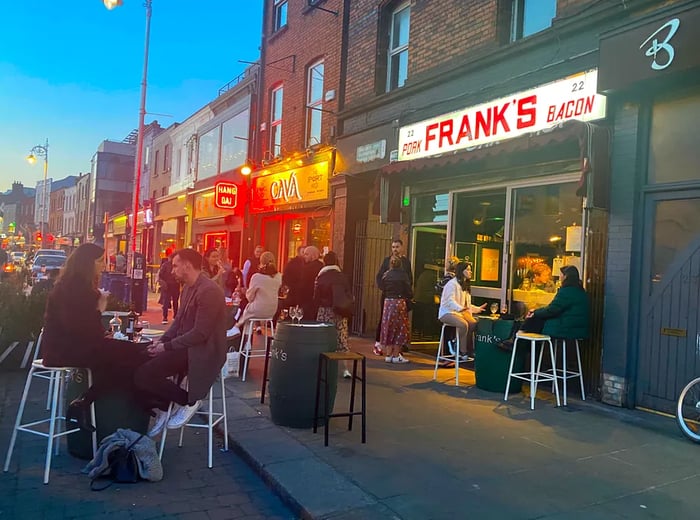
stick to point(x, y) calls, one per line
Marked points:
point(194, 345)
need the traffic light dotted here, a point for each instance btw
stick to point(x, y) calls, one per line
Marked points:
point(37, 236)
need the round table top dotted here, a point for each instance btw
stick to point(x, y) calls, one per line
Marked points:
point(152, 332)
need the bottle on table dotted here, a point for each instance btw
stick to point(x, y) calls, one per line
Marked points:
point(115, 324)
point(131, 319)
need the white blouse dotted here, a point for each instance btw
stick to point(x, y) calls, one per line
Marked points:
point(454, 300)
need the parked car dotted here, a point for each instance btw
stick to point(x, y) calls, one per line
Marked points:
point(58, 252)
point(43, 264)
point(18, 257)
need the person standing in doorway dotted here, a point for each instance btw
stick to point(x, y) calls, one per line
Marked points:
point(250, 266)
point(396, 252)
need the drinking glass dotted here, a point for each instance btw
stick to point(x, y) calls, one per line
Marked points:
point(293, 313)
point(300, 314)
point(138, 329)
point(494, 308)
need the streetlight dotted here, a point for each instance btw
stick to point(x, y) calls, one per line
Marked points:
point(111, 4)
point(41, 151)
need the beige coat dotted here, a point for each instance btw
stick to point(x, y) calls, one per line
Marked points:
point(200, 327)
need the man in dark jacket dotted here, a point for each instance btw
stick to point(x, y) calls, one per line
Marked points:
point(195, 344)
point(312, 266)
point(292, 279)
point(169, 288)
point(397, 251)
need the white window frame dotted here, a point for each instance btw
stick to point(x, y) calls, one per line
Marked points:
point(394, 53)
point(279, 14)
point(314, 107)
point(276, 124)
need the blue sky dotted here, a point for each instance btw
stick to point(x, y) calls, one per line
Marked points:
point(70, 71)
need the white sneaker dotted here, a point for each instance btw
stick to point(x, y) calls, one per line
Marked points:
point(233, 332)
point(183, 415)
point(347, 374)
point(399, 359)
point(388, 359)
point(159, 423)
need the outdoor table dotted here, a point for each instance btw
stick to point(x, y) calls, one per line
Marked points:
point(490, 362)
point(111, 412)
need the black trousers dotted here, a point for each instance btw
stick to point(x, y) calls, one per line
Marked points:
point(113, 366)
point(152, 378)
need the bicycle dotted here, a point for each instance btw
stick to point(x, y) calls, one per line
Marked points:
point(688, 410)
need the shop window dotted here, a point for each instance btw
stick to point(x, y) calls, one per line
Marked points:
point(314, 104)
point(431, 208)
point(546, 235)
point(320, 233)
point(279, 14)
point(208, 160)
point(479, 227)
point(276, 102)
point(234, 141)
point(296, 236)
point(531, 16)
point(392, 67)
point(674, 151)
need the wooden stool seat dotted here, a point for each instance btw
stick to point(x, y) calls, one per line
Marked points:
point(323, 359)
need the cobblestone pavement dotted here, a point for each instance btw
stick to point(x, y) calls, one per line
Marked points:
point(189, 489)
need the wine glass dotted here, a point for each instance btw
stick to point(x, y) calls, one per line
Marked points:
point(293, 312)
point(300, 313)
point(494, 309)
point(138, 329)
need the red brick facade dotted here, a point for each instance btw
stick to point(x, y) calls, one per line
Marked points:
point(308, 36)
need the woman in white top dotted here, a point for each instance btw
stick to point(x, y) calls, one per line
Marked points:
point(456, 307)
point(262, 293)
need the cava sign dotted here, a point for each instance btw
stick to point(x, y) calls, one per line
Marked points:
point(305, 184)
point(225, 195)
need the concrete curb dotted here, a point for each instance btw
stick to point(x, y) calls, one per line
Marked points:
point(309, 486)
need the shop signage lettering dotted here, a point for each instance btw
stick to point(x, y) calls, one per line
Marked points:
point(371, 152)
point(664, 47)
point(286, 189)
point(531, 111)
point(225, 195)
point(294, 186)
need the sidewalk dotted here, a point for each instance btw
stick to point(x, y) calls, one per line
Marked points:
point(437, 451)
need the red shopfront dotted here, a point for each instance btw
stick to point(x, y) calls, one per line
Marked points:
point(291, 206)
point(217, 219)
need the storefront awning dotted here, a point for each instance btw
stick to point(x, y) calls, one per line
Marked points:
point(566, 131)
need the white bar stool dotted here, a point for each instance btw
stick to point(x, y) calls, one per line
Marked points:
point(55, 414)
point(442, 354)
point(213, 418)
point(535, 375)
point(564, 373)
point(246, 348)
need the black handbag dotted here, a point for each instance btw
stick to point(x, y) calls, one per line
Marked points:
point(123, 467)
point(343, 302)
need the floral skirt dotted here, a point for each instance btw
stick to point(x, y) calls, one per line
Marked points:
point(326, 315)
point(395, 330)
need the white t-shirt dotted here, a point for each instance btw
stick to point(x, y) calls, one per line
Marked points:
point(454, 299)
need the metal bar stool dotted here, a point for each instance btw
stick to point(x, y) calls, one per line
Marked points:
point(564, 373)
point(451, 357)
point(212, 419)
point(535, 375)
point(246, 348)
point(55, 413)
point(323, 359)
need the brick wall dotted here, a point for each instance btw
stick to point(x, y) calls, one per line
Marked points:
point(309, 35)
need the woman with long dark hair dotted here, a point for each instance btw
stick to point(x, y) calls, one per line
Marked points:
point(456, 307)
point(74, 335)
point(213, 267)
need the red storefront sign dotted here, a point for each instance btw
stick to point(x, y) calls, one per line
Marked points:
point(225, 195)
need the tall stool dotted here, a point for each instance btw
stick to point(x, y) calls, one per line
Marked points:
point(535, 375)
point(443, 355)
point(55, 413)
point(564, 373)
point(246, 348)
point(213, 418)
point(323, 359)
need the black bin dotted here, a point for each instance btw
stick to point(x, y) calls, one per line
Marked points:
point(490, 362)
point(293, 369)
point(111, 412)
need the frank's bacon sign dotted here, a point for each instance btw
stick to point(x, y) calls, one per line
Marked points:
point(574, 97)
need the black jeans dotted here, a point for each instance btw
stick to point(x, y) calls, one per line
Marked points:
point(152, 378)
point(171, 297)
point(113, 366)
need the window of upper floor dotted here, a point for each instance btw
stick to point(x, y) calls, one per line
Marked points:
point(314, 103)
point(167, 158)
point(208, 157)
point(234, 141)
point(398, 22)
point(155, 163)
point(163, 191)
point(279, 14)
point(276, 105)
point(529, 17)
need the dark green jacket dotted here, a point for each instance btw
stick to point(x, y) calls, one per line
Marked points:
point(568, 315)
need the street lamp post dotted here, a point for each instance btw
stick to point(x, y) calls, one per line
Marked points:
point(41, 151)
point(111, 4)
